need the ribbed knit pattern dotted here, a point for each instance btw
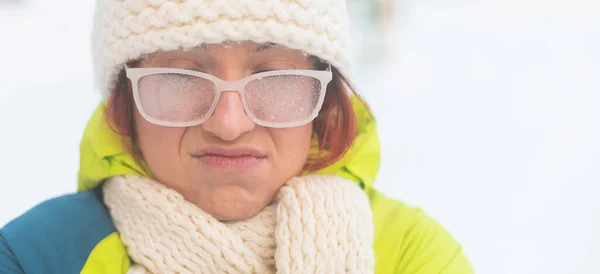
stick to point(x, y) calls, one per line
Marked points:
point(127, 29)
point(317, 224)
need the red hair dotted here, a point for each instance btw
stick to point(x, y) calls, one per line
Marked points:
point(335, 128)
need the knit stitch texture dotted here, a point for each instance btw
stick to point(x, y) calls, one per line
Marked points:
point(317, 224)
point(127, 29)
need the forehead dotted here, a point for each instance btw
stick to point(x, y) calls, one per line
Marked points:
point(245, 48)
point(248, 46)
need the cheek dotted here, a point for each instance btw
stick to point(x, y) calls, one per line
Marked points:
point(159, 146)
point(292, 145)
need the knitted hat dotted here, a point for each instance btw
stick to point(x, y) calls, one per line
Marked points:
point(127, 29)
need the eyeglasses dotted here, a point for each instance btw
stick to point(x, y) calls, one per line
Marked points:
point(184, 98)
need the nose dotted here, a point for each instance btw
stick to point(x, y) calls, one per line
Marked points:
point(229, 120)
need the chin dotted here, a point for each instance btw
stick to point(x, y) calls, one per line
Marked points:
point(234, 215)
point(232, 202)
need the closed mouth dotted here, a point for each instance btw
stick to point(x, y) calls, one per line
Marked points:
point(229, 153)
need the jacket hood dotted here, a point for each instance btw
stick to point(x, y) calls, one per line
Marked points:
point(102, 154)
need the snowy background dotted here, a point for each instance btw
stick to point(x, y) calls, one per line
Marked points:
point(488, 116)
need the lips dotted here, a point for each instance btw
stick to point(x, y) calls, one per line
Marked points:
point(229, 158)
point(230, 152)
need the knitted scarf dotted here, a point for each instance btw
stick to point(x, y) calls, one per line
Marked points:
point(317, 224)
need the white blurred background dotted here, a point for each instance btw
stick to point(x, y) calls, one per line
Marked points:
point(488, 117)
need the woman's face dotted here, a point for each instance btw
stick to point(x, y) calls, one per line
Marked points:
point(229, 166)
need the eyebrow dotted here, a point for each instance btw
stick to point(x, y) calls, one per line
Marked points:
point(256, 49)
point(261, 47)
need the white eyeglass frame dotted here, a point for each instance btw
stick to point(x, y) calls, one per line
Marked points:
point(135, 74)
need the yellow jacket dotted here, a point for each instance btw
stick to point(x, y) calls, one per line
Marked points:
point(406, 240)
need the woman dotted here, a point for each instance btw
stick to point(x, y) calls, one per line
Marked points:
point(229, 142)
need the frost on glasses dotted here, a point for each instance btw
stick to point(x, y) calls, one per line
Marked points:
point(283, 98)
point(176, 97)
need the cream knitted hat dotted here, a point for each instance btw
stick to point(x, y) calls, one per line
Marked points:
point(127, 29)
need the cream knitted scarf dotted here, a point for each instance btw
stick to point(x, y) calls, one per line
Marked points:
point(317, 224)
